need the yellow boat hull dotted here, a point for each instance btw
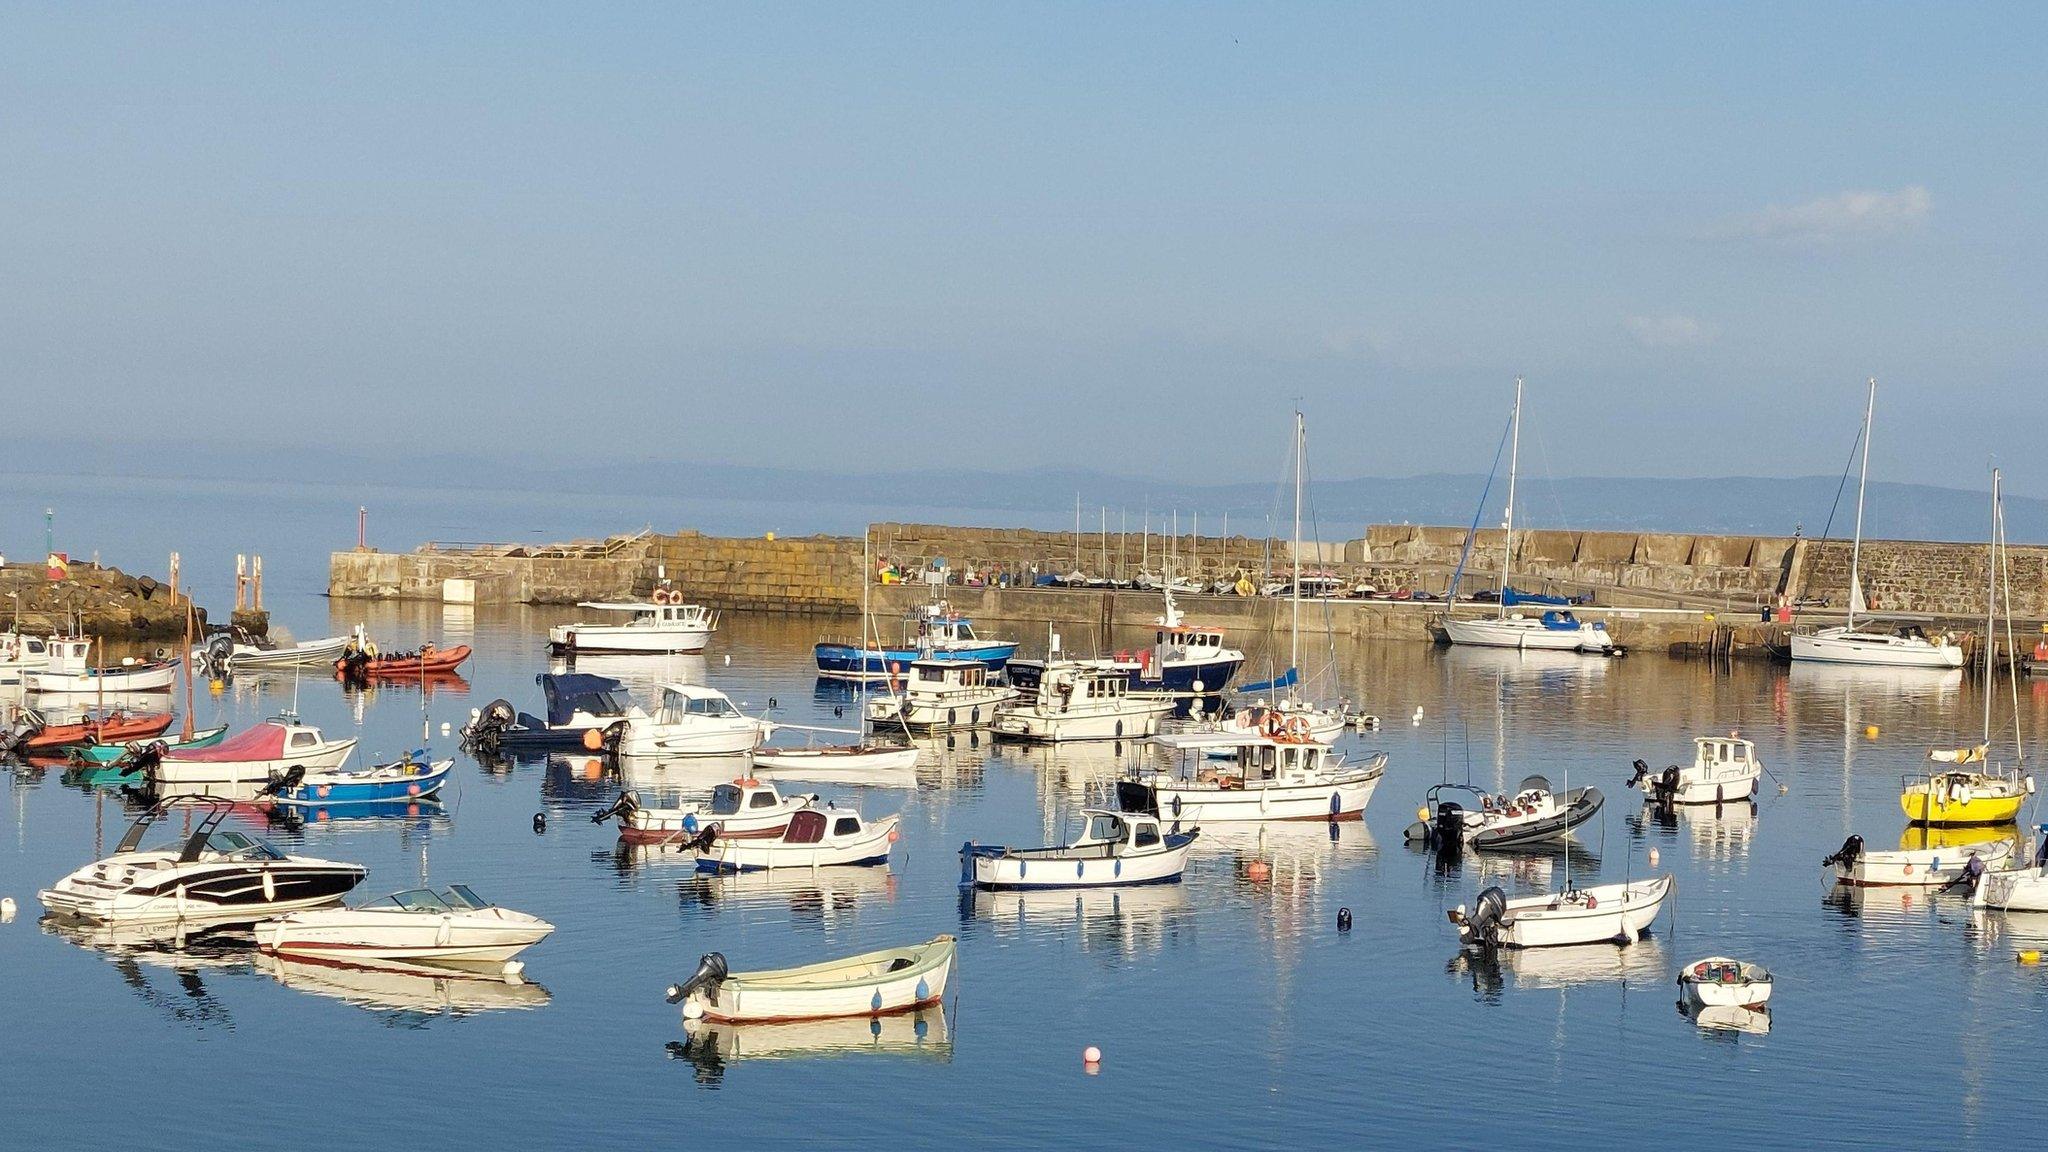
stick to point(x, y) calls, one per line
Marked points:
point(1946, 811)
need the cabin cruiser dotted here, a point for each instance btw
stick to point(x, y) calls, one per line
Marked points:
point(1083, 700)
point(421, 924)
point(1617, 913)
point(70, 672)
point(692, 720)
point(744, 809)
point(1724, 769)
point(662, 624)
point(932, 631)
point(210, 876)
point(1533, 815)
point(942, 695)
point(579, 708)
point(1118, 849)
point(1183, 658)
point(254, 756)
point(1287, 777)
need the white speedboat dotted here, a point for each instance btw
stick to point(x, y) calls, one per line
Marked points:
point(692, 720)
point(1620, 913)
point(208, 876)
point(744, 809)
point(1289, 777)
point(421, 924)
point(70, 672)
point(941, 695)
point(1118, 849)
point(1721, 982)
point(815, 838)
point(1724, 769)
point(1533, 815)
point(663, 624)
point(251, 757)
point(872, 984)
point(1938, 867)
point(1083, 700)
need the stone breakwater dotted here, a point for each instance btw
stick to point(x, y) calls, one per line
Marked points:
point(103, 601)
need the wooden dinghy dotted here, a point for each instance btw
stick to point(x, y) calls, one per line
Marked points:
point(880, 983)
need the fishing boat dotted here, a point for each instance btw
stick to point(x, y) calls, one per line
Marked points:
point(931, 631)
point(744, 809)
point(941, 696)
point(1555, 630)
point(1287, 776)
point(20, 654)
point(1933, 867)
point(1117, 849)
point(1533, 815)
point(1723, 769)
point(70, 672)
point(661, 624)
point(692, 720)
point(2022, 888)
point(1620, 913)
point(815, 838)
point(207, 876)
point(252, 756)
point(113, 727)
point(1184, 658)
point(1905, 645)
point(412, 777)
point(364, 662)
point(1083, 700)
point(1722, 982)
point(880, 983)
point(112, 753)
point(421, 924)
point(579, 708)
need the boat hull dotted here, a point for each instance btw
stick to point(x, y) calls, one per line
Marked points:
point(1135, 721)
point(1527, 635)
point(1342, 797)
point(1724, 788)
point(230, 893)
point(866, 849)
point(149, 678)
point(1950, 811)
point(866, 985)
point(1918, 867)
point(377, 786)
point(195, 777)
point(956, 712)
point(999, 873)
point(643, 738)
point(368, 934)
point(1618, 913)
point(2013, 890)
point(850, 663)
point(1842, 646)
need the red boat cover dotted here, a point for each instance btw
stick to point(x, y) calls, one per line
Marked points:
point(805, 827)
point(263, 742)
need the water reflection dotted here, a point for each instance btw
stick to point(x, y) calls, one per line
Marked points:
point(812, 897)
point(709, 1047)
point(1717, 833)
point(410, 994)
point(1724, 1022)
point(162, 964)
point(644, 675)
point(1118, 922)
point(1495, 971)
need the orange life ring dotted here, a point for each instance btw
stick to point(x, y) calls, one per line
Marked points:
point(1298, 728)
point(1272, 725)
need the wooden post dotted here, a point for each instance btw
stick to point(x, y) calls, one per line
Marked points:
point(241, 581)
point(174, 579)
point(256, 574)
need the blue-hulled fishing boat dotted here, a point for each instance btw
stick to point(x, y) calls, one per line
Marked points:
point(415, 777)
point(932, 631)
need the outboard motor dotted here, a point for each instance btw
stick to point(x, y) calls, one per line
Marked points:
point(1482, 927)
point(1850, 851)
point(1973, 874)
point(711, 972)
point(613, 737)
point(142, 760)
point(625, 805)
point(284, 781)
point(484, 729)
point(1642, 772)
point(1448, 828)
point(1666, 787)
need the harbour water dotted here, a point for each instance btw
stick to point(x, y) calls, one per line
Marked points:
point(1231, 1012)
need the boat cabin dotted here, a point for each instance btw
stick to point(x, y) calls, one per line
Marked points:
point(741, 797)
point(661, 612)
point(1121, 831)
point(70, 656)
point(935, 627)
point(1188, 643)
point(938, 676)
point(1248, 756)
point(815, 825)
point(1062, 688)
point(681, 703)
point(1722, 753)
point(15, 647)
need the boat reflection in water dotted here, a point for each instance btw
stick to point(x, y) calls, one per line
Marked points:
point(710, 1047)
point(409, 989)
point(162, 963)
point(822, 897)
point(1080, 770)
point(1728, 1021)
point(1117, 922)
point(1529, 869)
point(577, 779)
point(1537, 670)
point(1820, 683)
point(643, 675)
point(1493, 972)
point(680, 776)
point(1717, 833)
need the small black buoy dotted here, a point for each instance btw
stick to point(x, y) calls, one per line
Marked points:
point(1343, 919)
point(839, 710)
point(540, 821)
point(771, 704)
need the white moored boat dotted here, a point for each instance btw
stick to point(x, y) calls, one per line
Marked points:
point(869, 762)
point(21, 654)
point(1721, 982)
point(70, 672)
point(941, 695)
point(1083, 700)
point(1619, 913)
point(1533, 815)
point(872, 984)
point(815, 838)
point(223, 654)
point(251, 757)
point(692, 720)
point(744, 809)
point(1938, 867)
point(661, 625)
point(421, 924)
point(1724, 769)
point(1119, 849)
point(2020, 889)
point(1288, 777)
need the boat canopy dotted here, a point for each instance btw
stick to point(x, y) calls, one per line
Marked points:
point(265, 741)
point(1288, 680)
point(570, 692)
point(1513, 596)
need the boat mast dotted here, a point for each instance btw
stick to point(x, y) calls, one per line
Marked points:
point(1077, 531)
point(1507, 546)
point(1294, 638)
point(1991, 614)
point(1856, 549)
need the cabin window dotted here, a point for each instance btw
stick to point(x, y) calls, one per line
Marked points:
point(303, 740)
point(1105, 828)
point(931, 675)
point(725, 800)
point(974, 677)
point(845, 826)
point(1148, 835)
point(762, 800)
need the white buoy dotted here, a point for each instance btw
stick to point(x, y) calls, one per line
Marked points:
point(1091, 1055)
point(1653, 857)
point(6, 909)
point(444, 727)
point(728, 659)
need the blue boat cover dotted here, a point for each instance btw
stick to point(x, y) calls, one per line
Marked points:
point(568, 691)
point(1515, 596)
point(1288, 680)
point(1561, 621)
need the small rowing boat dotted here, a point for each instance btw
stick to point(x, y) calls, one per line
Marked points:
point(1721, 982)
point(880, 983)
point(412, 777)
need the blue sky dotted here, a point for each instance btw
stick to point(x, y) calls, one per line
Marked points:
point(1010, 236)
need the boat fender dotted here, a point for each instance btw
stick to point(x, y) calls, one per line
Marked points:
point(1343, 919)
point(1592, 902)
point(540, 822)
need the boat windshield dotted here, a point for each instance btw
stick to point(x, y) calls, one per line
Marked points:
point(1103, 826)
point(414, 900)
point(725, 800)
point(245, 847)
point(459, 894)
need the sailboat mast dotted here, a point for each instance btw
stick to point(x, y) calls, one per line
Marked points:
point(1991, 612)
point(1862, 480)
point(1507, 545)
point(1294, 640)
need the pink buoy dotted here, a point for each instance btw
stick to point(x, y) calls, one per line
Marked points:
point(1091, 1055)
point(412, 789)
point(323, 791)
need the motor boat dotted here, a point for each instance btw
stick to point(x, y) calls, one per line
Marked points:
point(1724, 768)
point(579, 708)
point(879, 983)
point(1083, 700)
point(931, 631)
point(1721, 982)
point(815, 838)
point(2017, 889)
point(70, 672)
point(1185, 659)
point(1287, 777)
point(1117, 849)
point(453, 923)
point(1961, 796)
point(208, 876)
point(1620, 913)
point(361, 663)
point(1533, 815)
point(20, 654)
point(109, 752)
point(661, 624)
point(941, 695)
point(1933, 867)
point(744, 809)
point(692, 720)
point(225, 654)
point(415, 776)
point(34, 735)
point(253, 756)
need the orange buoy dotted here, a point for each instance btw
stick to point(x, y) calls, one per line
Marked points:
point(593, 739)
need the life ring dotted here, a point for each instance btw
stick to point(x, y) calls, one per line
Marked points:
point(660, 596)
point(1272, 725)
point(1298, 728)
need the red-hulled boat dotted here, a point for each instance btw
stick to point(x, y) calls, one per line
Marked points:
point(428, 661)
point(112, 728)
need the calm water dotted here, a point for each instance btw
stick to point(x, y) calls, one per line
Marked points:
point(1231, 1012)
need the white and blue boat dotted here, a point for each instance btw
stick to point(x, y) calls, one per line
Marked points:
point(412, 777)
point(933, 631)
point(1185, 659)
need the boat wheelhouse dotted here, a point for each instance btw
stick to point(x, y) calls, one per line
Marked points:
point(938, 695)
point(691, 720)
point(660, 625)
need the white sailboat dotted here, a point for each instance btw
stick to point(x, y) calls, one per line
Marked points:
point(1555, 630)
point(1847, 643)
